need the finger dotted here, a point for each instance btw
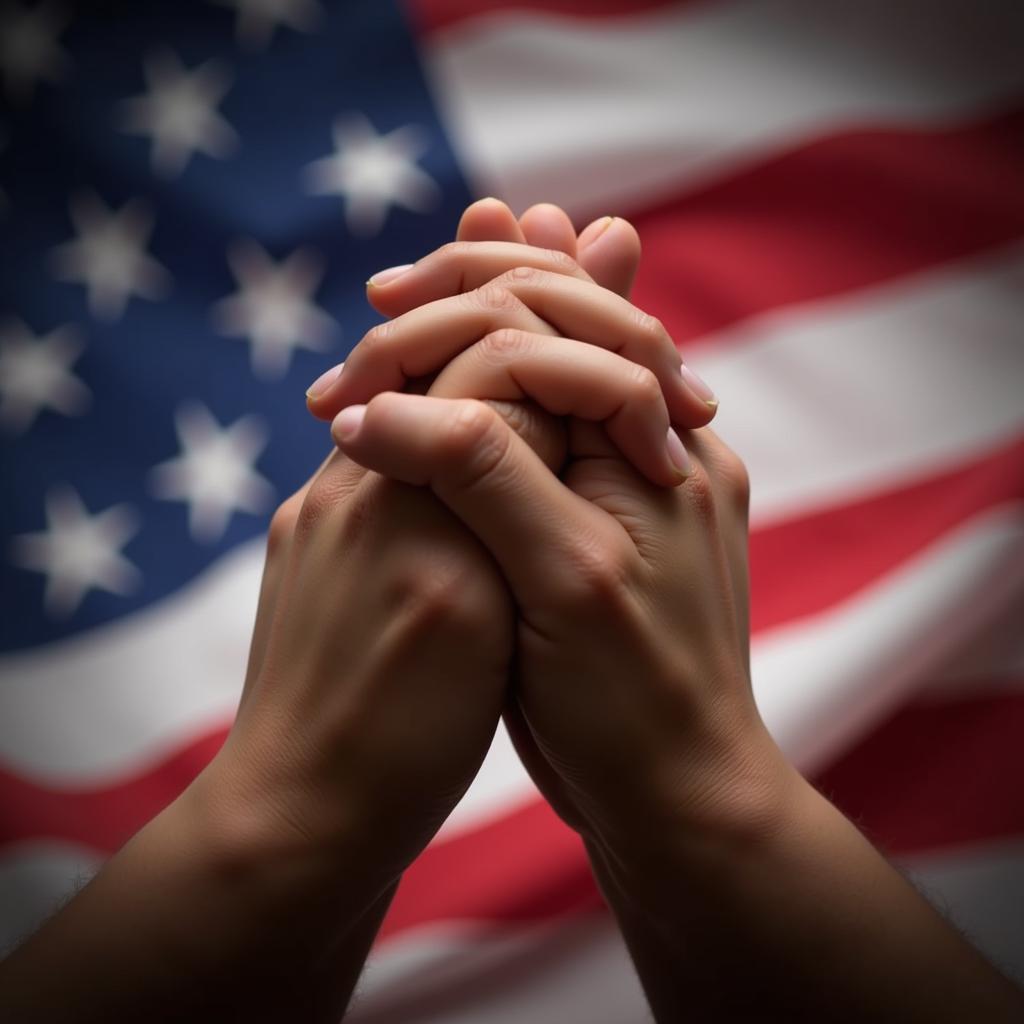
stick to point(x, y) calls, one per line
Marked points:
point(548, 227)
point(575, 308)
point(732, 509)
point(459, 267)
point(609, 251)
point(580, 309)
point(489, 220)
point(418, 344)
point(537, 530)
point(570, 379)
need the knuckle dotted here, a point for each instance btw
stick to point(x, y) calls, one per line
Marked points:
point(505, 342)
point(472, 433)
point(325, 496)
point(377, 337)
point(736, 478)
point(561, 262)
point(282, 525)
point(645, 385)
point(701, 493)
point(726, 469)
point(311, 512)
point(523, 275)
point(455, 252)
point(649, 327)
point(436, 591)
point(600, 578)
point(362, 510)
point(494, 298)
point(475, 441)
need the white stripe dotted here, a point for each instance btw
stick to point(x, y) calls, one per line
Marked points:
point(822, 683)
point(35, 880)
point(834, 400)
point(825, 404)
point(563, 970)
point(607, 115)
point(117, 698)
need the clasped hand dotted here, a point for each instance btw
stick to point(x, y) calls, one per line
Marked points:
point(528, 536)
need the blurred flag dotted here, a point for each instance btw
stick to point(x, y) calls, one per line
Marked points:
point(831, 199)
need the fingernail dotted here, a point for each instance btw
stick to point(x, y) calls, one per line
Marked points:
point(592, 232)
point(676, 453)
point(346, 424)
point(697, 386)
point(387, 276)
point(324, 381)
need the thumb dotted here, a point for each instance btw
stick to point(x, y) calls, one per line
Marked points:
point(541, 534)
point(489, 220)
point(609, 251)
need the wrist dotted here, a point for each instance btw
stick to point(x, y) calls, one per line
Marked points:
point(712, 806)
point(279, 840)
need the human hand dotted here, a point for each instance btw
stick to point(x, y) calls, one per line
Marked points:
point(375, 678)
point(632, 637)
point(392, 511)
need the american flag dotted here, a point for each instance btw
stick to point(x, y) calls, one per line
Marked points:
point(831, 201)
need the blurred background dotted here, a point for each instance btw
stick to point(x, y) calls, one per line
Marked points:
point(831, 201)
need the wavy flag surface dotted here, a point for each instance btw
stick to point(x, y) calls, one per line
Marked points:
point(831, 201)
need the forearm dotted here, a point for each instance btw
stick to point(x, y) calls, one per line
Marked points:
point(795, 918)
point(200, 920)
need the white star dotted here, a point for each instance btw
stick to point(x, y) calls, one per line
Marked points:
point(109, 255)
point(178, 112)
point(374, 172)
point(29, 50)
point(35, 375)
point(214, 473)
point(258, 19)
point(78, 552)
point(274, 306)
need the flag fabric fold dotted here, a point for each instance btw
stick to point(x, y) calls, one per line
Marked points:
point(829, 197)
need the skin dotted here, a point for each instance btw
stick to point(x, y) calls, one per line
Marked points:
point(276, 865)
point(454, 575)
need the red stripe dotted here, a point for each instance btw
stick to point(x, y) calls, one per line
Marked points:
point(525, 866)
point(431, 15)
point(103, 817)
point(802, 566)
point(835, 215)
point(937, 775)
